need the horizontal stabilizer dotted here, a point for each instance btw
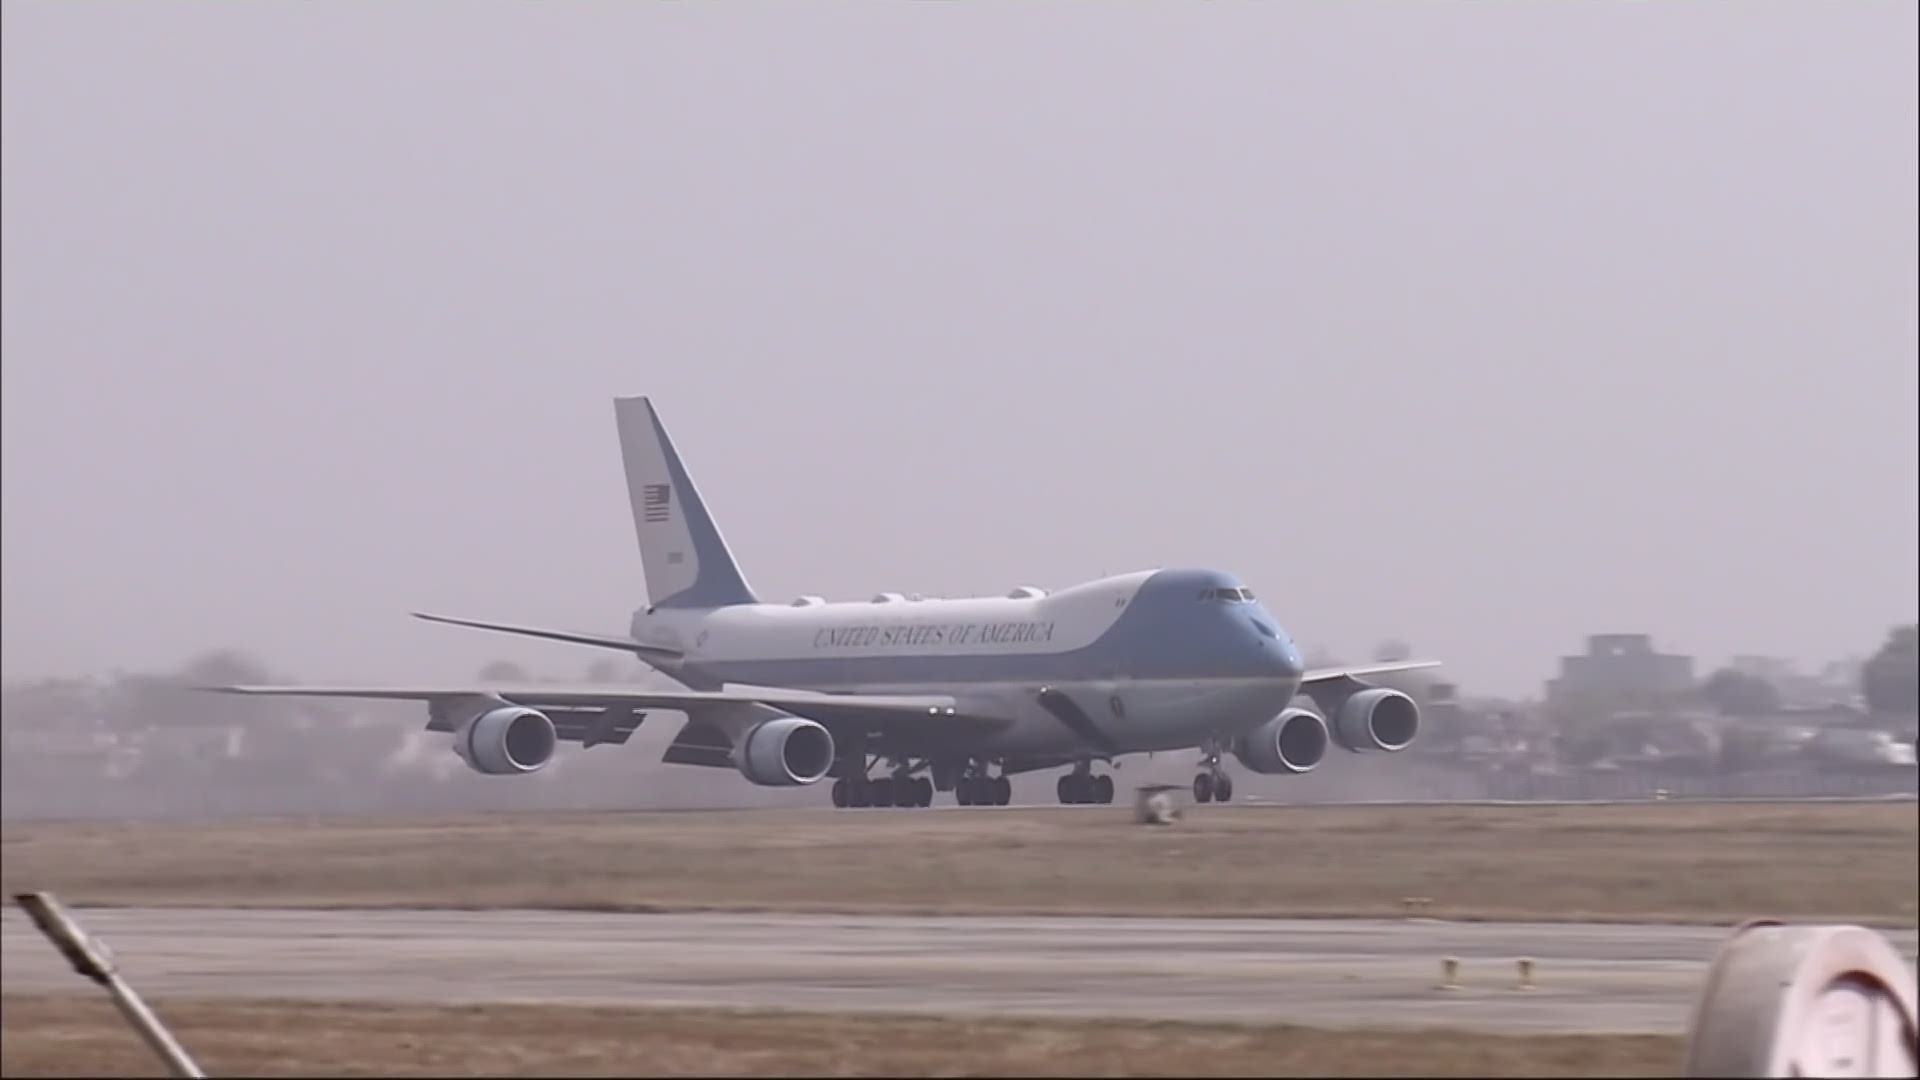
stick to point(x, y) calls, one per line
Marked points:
point(603, 641)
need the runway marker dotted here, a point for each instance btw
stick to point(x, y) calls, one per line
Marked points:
point(91, 958)
point(1525, 964)
point(1449, 974)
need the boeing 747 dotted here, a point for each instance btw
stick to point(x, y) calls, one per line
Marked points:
point(898, 697)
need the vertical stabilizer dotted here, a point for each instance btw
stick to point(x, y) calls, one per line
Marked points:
point(686, 561)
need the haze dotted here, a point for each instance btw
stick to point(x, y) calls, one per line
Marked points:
point(1485, 326)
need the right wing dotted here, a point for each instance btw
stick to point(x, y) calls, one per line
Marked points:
point(1323, 675)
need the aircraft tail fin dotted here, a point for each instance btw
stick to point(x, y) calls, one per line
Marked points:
point(686, 561)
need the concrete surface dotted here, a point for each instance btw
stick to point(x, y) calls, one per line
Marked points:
point(1591, 977)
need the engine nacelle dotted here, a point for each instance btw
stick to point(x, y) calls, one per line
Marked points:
point(1293, 742)
point(506, 741)
point(1376, 719)
point(786, 752)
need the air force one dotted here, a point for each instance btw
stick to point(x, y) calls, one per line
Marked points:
point(899, 697)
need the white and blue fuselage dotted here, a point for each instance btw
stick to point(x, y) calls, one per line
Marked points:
point(1155, 660)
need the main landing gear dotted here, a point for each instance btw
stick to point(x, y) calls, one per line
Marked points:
point(863, 792)
point(976, 788)
point(971, 787)
point(1214, 785)
point(1081, 787)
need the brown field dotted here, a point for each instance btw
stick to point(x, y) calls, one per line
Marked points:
point(1646, 862)
point(68, 1036)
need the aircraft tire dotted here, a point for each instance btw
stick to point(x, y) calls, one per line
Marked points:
point(1203, 788)
point(1222, 788)
point(882, 788)
point(840, 794)
point(1103, 789)
point(859, 795)
point(1063, 787)
point(1002, 791)
point(923, 788)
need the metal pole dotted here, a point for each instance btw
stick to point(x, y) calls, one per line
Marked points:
point(93, 960)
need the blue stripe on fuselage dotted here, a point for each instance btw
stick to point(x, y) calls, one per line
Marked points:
point(1166, 632)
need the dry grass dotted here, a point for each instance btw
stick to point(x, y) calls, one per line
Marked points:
point(65, 1036)
point(1655, 861)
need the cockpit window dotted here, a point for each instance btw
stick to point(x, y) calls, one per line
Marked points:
point(1229, 596)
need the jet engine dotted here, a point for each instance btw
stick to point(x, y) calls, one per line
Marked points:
point(1293, 742)
point(1376, 719)
point(785, 752)
point(506, 741)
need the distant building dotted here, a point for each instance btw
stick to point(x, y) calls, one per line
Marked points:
point(1619, 671)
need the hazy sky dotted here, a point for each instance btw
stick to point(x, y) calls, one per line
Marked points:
point(1485, 325)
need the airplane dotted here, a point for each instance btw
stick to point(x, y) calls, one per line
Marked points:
point(901, 696)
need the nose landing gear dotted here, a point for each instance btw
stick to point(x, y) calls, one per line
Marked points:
point(1213, 785)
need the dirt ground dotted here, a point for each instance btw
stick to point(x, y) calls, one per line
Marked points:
point(73, 1036)
point(1654, 861)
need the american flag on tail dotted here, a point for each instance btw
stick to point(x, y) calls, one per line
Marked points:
point(654, 500)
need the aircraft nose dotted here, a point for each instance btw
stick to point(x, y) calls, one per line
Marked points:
point(1287, 662)
point(1278, 655)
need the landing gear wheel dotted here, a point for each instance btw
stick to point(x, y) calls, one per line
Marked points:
point(923, 789)
point(882, 791)
point(1222, 788)
point(840, 794)
point(859, 795)
point(1063, 787)
point(1103, 789)
point(1203, 788)
point(1002, 791)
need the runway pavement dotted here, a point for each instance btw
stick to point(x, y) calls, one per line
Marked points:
point(1591, 977)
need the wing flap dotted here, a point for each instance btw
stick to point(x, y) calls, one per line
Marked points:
point(867, 711)
point(700, 743)
point(588, 727)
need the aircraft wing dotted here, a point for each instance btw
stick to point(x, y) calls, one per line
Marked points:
point(1323, 675)
point(830, 710)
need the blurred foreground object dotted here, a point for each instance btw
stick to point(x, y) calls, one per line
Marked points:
point(1805, 1001)
point(1158, 804)
point(93, 960)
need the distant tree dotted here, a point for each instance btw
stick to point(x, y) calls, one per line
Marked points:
point(504, 671)
point(1890, 679)
point(1736, 693)
point(1582, 749)
point(222, 667)
point(1392, 651)
point(1319, 656)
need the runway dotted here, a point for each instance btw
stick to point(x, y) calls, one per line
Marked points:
point(1591, 977)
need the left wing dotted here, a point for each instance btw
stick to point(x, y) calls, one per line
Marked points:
point(831, 710)
point(1322, 675)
